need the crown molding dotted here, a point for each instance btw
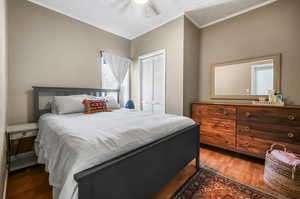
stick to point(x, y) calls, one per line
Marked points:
point(237, 14)
point(126, 36)
point(192, 20)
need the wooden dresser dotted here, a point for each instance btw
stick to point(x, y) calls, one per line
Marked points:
point(247, 128)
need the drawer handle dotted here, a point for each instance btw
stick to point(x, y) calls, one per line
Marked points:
point(247, 129)
point(247, 144)
point(291, 135)
point(291, 117)
point(199, 112)
point(223, 111)
point(248, 114)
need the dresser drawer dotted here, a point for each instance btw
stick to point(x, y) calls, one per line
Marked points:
point(258, 147)
point(218, 139)
point(215, 111)
point(217, 125)
point(270, 131)
point(279, 116)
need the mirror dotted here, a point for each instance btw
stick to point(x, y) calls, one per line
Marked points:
point(246, 79)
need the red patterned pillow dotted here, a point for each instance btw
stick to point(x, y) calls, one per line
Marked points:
point(94, 106)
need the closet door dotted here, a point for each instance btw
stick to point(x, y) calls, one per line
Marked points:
point(158, 84)
point(153, 83)
point(147, 85)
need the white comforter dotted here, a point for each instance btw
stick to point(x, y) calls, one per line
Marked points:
point(68, 144)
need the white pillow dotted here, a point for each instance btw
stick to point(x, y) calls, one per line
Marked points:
point(112, 102)
point(69, 104)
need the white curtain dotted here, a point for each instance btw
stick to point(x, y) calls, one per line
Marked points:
point(119, 67)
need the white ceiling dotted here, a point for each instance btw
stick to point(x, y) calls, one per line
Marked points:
point(131, 23)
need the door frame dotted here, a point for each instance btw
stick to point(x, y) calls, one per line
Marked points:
point(148, 55)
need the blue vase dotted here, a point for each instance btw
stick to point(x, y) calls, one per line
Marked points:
point(129, 104)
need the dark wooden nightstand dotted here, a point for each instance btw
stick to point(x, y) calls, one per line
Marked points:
point(20, 140)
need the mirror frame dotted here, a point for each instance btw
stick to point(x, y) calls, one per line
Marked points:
point(277, 77)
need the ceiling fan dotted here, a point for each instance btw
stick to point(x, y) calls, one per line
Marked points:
point(149, 6)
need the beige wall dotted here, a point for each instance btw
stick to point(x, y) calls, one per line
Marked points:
point(3, 83)
point(170, 38)
point(191, 63)
point(50, 49)
point(265, 31)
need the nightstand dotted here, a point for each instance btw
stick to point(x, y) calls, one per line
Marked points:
point(20, 140)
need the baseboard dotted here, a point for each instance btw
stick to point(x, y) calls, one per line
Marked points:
point(5, 184)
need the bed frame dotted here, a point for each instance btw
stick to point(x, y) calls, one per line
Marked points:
point(138, 174)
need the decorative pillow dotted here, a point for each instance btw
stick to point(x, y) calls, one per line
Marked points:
point(69, 104)
point(111, 102)
point(94, 106)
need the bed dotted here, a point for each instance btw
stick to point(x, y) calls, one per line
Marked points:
point(134, 159)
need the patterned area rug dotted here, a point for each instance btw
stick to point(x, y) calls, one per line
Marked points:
point(207, 184)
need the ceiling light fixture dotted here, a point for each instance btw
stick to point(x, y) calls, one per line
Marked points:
point(141, 1)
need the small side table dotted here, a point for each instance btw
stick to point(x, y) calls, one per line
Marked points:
point(20, 139)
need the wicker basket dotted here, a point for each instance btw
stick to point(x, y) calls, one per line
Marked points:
point(282, 177)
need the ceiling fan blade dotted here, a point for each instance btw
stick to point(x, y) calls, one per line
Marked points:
point(125, 6)
point(121, 5)
point(153, 7)
point(116, 3)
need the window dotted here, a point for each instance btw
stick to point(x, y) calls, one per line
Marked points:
point(108, 79)
point(110, 82)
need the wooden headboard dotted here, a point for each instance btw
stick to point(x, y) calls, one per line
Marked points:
point(47, 93)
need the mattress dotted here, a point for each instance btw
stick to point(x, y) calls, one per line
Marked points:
point(68, 144)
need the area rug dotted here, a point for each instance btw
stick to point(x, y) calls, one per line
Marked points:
point(208, 184)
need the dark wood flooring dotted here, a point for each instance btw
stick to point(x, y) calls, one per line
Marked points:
point(32, 183)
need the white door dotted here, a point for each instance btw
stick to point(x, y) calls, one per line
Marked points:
point(152, 68)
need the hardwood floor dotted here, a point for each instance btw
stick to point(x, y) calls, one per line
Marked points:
point(32, 183)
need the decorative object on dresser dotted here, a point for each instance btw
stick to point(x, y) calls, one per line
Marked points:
point(274, 99)
point(248, 128)
point(20, 140)
point(282, 172)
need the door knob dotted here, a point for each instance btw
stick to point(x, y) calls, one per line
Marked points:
point(291, 135)
point(248, 114)
point(291, 117)
point(247, 128)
